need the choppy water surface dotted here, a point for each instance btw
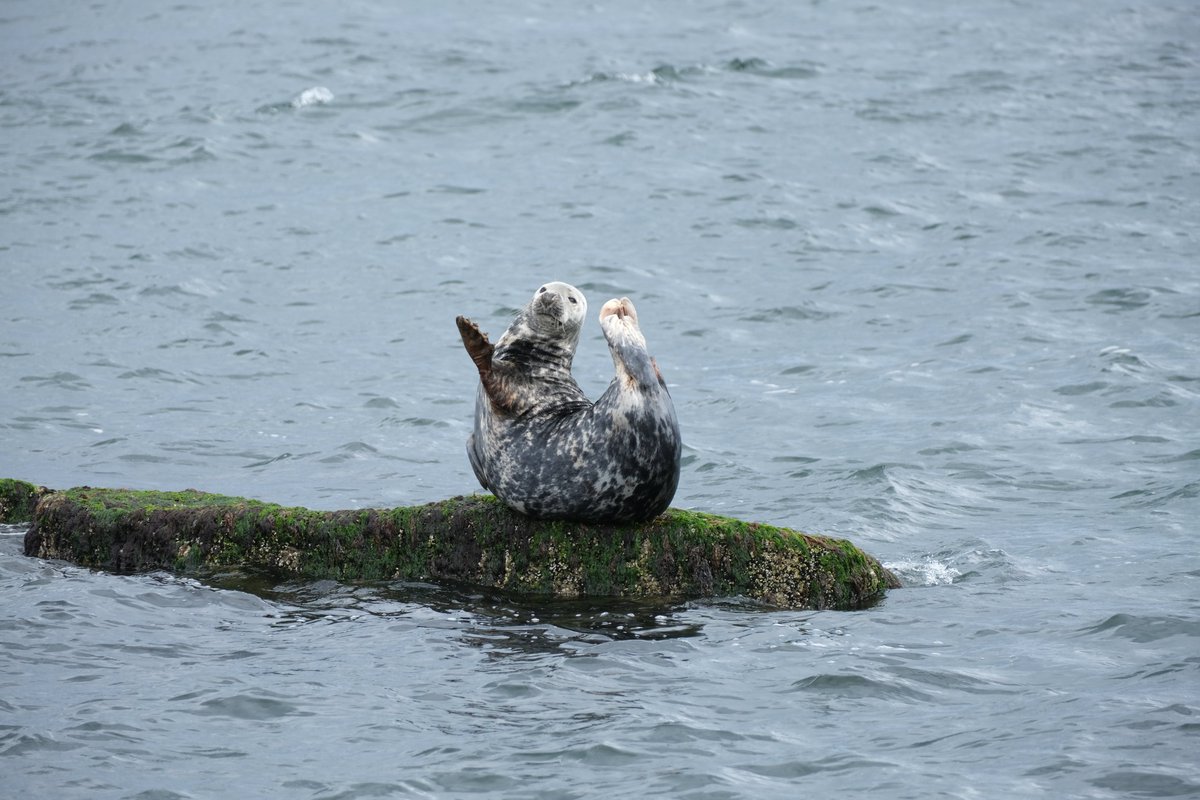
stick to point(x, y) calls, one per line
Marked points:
point(918, 274)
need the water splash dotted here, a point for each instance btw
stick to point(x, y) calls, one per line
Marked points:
point(927, 571)
point(316, 96)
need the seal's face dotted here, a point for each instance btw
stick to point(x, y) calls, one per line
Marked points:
point(558, 310)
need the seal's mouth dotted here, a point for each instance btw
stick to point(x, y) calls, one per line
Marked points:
point(550, 306)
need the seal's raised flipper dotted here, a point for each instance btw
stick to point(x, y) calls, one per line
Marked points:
point(478, 347)
point(622, 308)
point(619, 320)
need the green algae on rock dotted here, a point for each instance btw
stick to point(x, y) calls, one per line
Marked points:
point(475, 540)
point(18, 500)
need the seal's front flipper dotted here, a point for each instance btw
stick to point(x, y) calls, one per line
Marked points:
point(480, 350)
point(478, 347)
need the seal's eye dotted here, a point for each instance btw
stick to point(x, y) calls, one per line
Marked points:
point(572, 299)
point(541, 290)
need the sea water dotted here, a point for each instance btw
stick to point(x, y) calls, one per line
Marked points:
point(922, 275)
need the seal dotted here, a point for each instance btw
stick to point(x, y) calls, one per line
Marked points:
point(546, 450)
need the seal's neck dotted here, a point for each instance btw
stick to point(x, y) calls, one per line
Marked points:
point(540, 354)
point(545, 360)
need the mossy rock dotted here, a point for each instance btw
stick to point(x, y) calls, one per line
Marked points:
point(474, 540)
point(18, 499)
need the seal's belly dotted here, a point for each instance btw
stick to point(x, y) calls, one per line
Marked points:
point(612, 462)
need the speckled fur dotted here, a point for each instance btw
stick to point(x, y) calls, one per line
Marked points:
point(547, 451)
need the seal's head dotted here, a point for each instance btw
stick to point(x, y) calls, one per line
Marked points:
point(557, 311)
point(540, 343)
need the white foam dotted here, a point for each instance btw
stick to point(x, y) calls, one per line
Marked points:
point(928, 572)
point(318, 95)
point(637, 77)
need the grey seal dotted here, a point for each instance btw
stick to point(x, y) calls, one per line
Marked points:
point(547, 451)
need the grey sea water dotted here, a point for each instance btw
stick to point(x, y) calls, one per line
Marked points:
point(924, 275)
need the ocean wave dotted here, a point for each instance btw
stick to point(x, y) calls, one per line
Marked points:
point(316, 96)
point(927, 571)
point(665, 74)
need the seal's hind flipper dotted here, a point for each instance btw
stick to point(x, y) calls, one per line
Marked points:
point(478, 347)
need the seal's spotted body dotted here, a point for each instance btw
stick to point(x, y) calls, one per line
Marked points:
point(547, 451)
